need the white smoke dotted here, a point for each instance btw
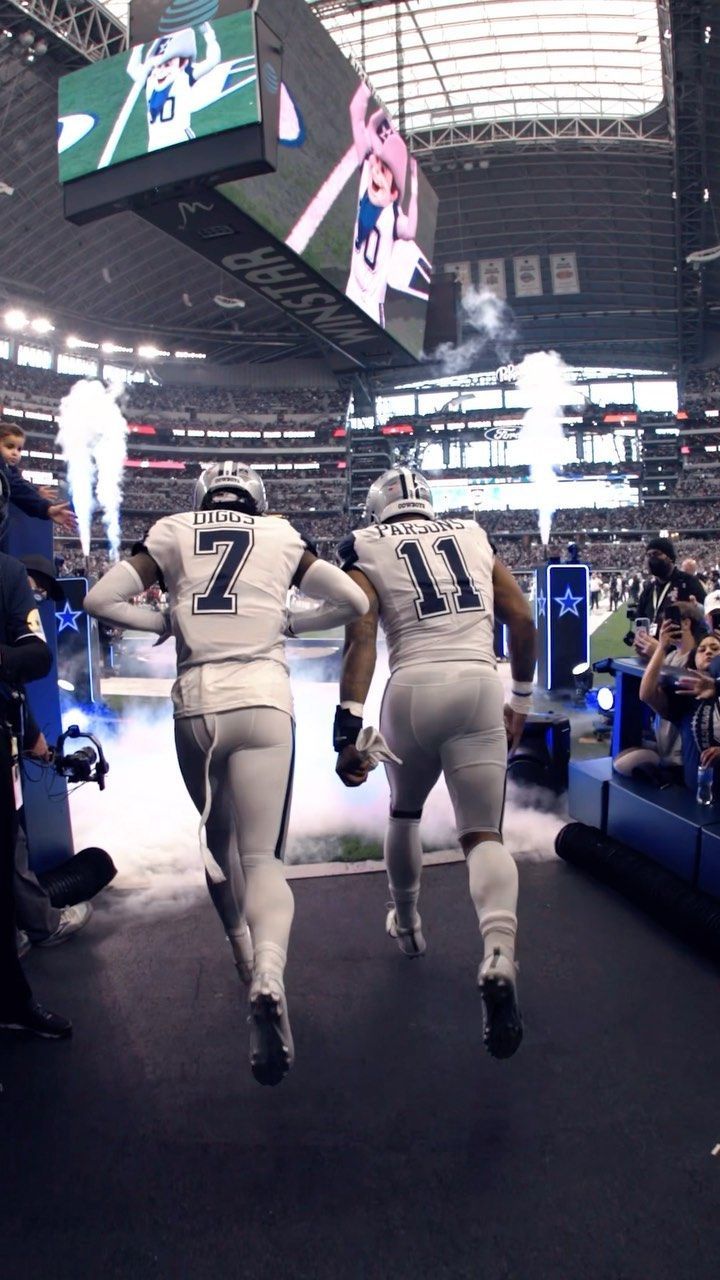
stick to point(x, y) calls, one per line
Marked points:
point(147, 823)
point(492, 321)
point(544, 381)
point(92, 435)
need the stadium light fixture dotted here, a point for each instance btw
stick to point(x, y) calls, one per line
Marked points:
point(190, 355)
point(112, 349)
point(151, 353)
point(73, 343)
point(15, 318)
point(41, 324)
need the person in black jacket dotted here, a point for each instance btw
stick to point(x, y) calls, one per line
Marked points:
point(24, 656)
point(668, 585)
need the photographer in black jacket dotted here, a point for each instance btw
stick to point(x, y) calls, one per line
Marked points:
point(24, 656)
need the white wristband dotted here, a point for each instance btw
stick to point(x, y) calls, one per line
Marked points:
point(520, 699)
point(355, 708)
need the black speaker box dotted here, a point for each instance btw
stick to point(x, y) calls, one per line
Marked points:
point(541, 759)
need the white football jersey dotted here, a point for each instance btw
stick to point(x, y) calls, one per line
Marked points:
point(370, 263)
point(168, 119)
point(434, 583)
point(227, 575)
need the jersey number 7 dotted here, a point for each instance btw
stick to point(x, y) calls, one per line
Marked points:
point(430, 601)
point(235, 546)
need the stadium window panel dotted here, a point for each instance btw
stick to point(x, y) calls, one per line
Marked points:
point(658, 397)
point(35, 357)
point(80, 365)
point(506, 59)
point(432, 459)
point(604, 393)
point(4, 349)
point(477, 454)
point(119, 373)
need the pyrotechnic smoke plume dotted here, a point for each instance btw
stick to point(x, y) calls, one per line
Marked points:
point(544, 380)
point(492, 321)
point(92, 435)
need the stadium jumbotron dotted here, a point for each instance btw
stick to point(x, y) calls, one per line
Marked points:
point(310, 307)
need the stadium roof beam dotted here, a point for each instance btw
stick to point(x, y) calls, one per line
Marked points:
point(688, 21)
point(79, 26)
point(512, 135)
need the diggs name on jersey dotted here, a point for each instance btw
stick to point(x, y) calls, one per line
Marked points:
point(221, 517)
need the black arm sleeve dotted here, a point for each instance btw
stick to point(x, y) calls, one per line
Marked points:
point(24, 655)
point(27, 659)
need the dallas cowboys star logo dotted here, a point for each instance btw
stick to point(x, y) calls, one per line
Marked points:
point(66, 618)
point(568, 603)
point(541, 605)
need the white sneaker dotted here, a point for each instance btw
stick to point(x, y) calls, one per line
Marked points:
point(497, 980)
point(272, 1052)
point(71, 919)
point(410, 941)
point(242, 949)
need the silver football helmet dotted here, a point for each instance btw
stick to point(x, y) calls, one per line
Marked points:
point(401, 491)
point(233, 485)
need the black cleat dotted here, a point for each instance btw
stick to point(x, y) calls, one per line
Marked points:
point(271, 1044)
point(503, 1022)
point(35, 1020)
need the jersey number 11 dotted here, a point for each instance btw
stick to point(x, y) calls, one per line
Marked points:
point(431, 602)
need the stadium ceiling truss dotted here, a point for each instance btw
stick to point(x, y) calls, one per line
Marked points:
point(81, 30)
point(607, 101)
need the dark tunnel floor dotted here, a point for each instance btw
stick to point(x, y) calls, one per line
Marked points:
point(396, 1147)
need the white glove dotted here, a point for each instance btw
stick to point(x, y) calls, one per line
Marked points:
point(372, 747)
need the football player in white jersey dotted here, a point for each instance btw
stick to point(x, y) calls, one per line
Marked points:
point(435, 585)
point(380, 219)
point(169, 73)
point(227, 567)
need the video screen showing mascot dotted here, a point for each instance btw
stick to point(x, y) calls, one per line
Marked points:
point(182, 85)
point(347, 196)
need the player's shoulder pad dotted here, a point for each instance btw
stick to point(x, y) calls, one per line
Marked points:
point(306, 540)
point(139, 548)
point(347, 552)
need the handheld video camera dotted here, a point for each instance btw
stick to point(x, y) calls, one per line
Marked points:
point(629, 637)
point(87, 764)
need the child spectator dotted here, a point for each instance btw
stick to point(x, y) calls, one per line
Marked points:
point(31, 500)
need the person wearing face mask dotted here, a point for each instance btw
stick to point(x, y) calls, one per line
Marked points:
point(668, 586)
point(690, 701)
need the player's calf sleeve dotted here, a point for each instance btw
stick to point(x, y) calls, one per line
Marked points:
point(269, 909)
point(403, 861)
point(493, 880)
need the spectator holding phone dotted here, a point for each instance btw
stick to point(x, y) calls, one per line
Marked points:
point(697, 717)
point(667, 586)
point(662, 759)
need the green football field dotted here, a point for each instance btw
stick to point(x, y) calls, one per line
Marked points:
point(103, 89)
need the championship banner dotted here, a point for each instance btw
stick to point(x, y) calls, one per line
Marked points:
point(564, 273)
point(461, 272)
point(492, 277)
point(528, 278)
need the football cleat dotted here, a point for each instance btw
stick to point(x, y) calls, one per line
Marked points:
point(410, 941)
point(503, 1028)
point(271, 1044)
